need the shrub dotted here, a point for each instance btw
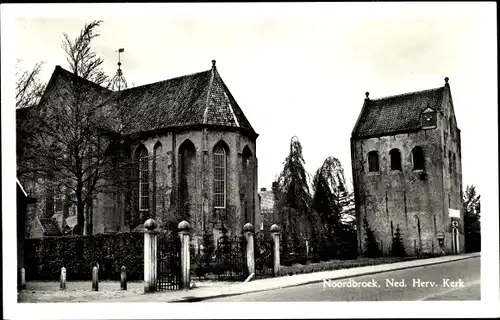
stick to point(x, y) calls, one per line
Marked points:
point(45, 257)
point(371, 249)
point(398, 249)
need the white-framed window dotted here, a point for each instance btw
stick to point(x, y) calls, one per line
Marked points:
point(220, 176)
point(143, 180)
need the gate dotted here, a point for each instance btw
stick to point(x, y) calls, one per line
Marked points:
point(264, 257)
point(169, 262)
point(231, 258)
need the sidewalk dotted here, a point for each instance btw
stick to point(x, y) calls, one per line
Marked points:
point(199, 294)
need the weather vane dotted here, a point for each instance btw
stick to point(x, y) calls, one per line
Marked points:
point(119, 81)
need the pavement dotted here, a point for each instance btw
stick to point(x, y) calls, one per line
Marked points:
point(200, 294)
point(451, 281)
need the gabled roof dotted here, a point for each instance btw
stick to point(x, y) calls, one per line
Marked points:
point(197, 99)
point(49, 227)
point(192, 100)
point(396, 114)
point(266, 201)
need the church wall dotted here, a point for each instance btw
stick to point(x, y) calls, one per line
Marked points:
point(400, 197)
point(200, 178)
point(240, 186)
point(452, 172)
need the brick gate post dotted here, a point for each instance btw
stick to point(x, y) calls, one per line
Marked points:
point(150, 247)
point(249, 236)
point(275, 233)
point(184, 234)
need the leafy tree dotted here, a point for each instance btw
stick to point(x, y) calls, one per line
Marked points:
point(334, 205)
point(371, 247)
point(398, 249)
point(472, 223)
point(294, 195)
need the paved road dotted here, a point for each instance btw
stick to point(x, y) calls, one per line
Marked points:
point(457, 280)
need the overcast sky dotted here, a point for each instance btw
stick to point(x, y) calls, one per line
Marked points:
point(294, 69)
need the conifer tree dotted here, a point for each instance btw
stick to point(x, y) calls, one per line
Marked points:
point(397, 249)
point(371, 247)
point(295, 199)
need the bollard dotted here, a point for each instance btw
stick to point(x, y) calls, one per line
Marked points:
point(23, 278)
point(95, 279)
point(62, 283)
point(123, 278)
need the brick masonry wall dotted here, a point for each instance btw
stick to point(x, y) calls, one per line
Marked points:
point(402, 197)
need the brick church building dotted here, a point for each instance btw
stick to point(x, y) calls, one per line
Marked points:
point(192, 150)
point(407, 172)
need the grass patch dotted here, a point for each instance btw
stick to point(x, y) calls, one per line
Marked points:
point(343, 264)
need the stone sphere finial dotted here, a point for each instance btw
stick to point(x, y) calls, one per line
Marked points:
point(184, 226)
point(367, 94)
point(446, 79)
point(248, 227)
point(274, 228)
point(150, 224)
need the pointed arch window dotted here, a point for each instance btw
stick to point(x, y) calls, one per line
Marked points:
point(143, 180)
point(220, 176)
point(395, 159)
point(156, 175)
point(373, 163)
point(418, 158)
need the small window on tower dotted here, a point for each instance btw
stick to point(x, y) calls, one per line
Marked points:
point(373, 161)
point(395, 159)
point(418, 158)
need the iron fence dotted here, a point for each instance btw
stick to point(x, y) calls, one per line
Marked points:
point(169, 262)
point(231, 258)
point(264, 257)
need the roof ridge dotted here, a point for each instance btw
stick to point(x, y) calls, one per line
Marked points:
point(81, 78)
point(406, 94)
point(157, 82)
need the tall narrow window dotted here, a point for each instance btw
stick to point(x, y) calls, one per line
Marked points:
point(156, 175)
point(373, 161)
point(418, 158)
point(454, 161)
point(220, 169)
point(143, 181)
point(449, 161)
point(395, 159)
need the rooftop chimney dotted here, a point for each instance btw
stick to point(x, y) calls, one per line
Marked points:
point(213, 64)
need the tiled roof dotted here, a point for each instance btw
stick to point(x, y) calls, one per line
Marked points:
point(49, 227)
point(266, 200)
point(197, 99)
point(395, 114)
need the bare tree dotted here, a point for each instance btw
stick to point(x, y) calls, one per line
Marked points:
point(80, 57)
point(29, 87)
point(72, 136)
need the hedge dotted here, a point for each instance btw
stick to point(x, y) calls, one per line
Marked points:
point(44, 257)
